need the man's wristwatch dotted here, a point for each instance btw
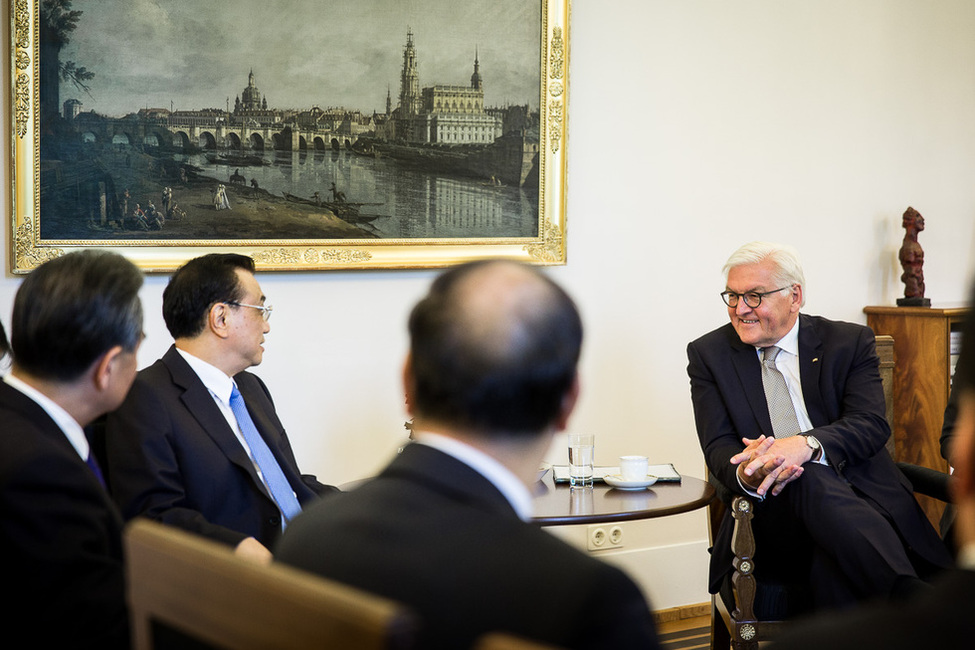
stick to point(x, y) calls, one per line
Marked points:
point(817, 449)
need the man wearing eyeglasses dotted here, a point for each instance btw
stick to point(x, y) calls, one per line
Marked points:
point(197, 443)
point(790, 409)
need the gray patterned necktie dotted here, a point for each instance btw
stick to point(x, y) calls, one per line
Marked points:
point(780, 408)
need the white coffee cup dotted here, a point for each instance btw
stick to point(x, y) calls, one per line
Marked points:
point(634, 468)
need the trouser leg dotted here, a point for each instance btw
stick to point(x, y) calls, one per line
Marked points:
point(853, 534)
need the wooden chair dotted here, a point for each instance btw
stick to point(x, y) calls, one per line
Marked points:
point(734, 620)
point(505, 641)
point(189, 588)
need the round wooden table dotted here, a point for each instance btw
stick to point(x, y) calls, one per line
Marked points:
point(559, 504)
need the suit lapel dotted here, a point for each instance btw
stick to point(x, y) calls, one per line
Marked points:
point(749, 370)
point(199, 402)
point(44, 425)
point(811, 353)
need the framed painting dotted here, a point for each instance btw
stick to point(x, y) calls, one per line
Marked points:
point(353, 134)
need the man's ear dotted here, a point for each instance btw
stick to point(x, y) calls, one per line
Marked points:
point(796, 297)
point(568, 405)
point(104, 366)
point(217, 319)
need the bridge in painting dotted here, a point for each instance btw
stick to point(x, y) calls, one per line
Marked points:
point(176, 133)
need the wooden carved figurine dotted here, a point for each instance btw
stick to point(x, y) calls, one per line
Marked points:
point(912, 260)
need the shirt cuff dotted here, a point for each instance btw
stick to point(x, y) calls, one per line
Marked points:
point(750, 491)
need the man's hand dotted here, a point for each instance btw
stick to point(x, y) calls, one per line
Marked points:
point(252, 550)
point(768, 465)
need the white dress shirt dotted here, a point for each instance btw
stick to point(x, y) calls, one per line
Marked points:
point(68, 425)
point(500, 476)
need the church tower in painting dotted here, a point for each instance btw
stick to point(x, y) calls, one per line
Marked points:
point(476, 77)
point(409, 92)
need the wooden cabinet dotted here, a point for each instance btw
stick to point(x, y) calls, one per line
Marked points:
point(922, 379)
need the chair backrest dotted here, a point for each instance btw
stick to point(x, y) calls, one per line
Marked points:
point(885, 350)
point(506, 641)
point(181, 582)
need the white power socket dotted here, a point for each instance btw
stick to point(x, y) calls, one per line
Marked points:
point(600, 537)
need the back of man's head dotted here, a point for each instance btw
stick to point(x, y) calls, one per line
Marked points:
point(196, 286)
point(71, 310)
point(494, 349)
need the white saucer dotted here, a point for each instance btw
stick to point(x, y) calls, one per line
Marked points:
point(616, 481)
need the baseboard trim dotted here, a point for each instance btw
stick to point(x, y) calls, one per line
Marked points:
point(680, 613)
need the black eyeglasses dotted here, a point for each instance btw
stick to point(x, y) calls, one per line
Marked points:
point(752, 298)
point(265, 310)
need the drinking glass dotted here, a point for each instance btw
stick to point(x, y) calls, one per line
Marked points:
point(580, 459)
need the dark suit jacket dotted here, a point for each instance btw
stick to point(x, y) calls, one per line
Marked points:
point(60, 537)
point(939, 619)
point(434, 534)
point(172, 456)
point(843, 393)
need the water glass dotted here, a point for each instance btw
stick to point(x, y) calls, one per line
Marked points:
point(580, 459)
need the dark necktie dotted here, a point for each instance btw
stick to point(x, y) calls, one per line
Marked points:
point(780, 408)
point(93, 464)
point(274, 478)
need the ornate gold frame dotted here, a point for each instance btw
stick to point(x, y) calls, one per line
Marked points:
point(28, 250)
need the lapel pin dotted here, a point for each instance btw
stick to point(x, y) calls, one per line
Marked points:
point(815, 360)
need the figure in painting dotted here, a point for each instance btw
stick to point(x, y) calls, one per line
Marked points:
point(912, 260)
point(220, 201)
point(176, 213)
point(337, 195)
point(166, 200)
point(136, 220)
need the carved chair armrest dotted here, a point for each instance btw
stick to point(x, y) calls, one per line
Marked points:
point(743, 546)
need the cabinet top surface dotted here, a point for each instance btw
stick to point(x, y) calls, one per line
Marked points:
point(935, 311)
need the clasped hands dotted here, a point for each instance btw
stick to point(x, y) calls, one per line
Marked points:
point(767, 465)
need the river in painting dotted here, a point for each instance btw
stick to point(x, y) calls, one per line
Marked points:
point(410, 203)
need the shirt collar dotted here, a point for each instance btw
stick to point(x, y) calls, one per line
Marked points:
point(500, 476)
point(788, 343)
point(72, 430)
point(215, 379)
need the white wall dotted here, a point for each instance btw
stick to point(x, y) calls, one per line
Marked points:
point(694, 126)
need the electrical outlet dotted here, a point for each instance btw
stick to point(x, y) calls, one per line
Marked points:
point(597, 538)
point(600, 538)
point(616, 536)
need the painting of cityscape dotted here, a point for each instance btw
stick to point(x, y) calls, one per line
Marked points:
point(311, 135)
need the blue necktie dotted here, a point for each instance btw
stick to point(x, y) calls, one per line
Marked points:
point(275, 479)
